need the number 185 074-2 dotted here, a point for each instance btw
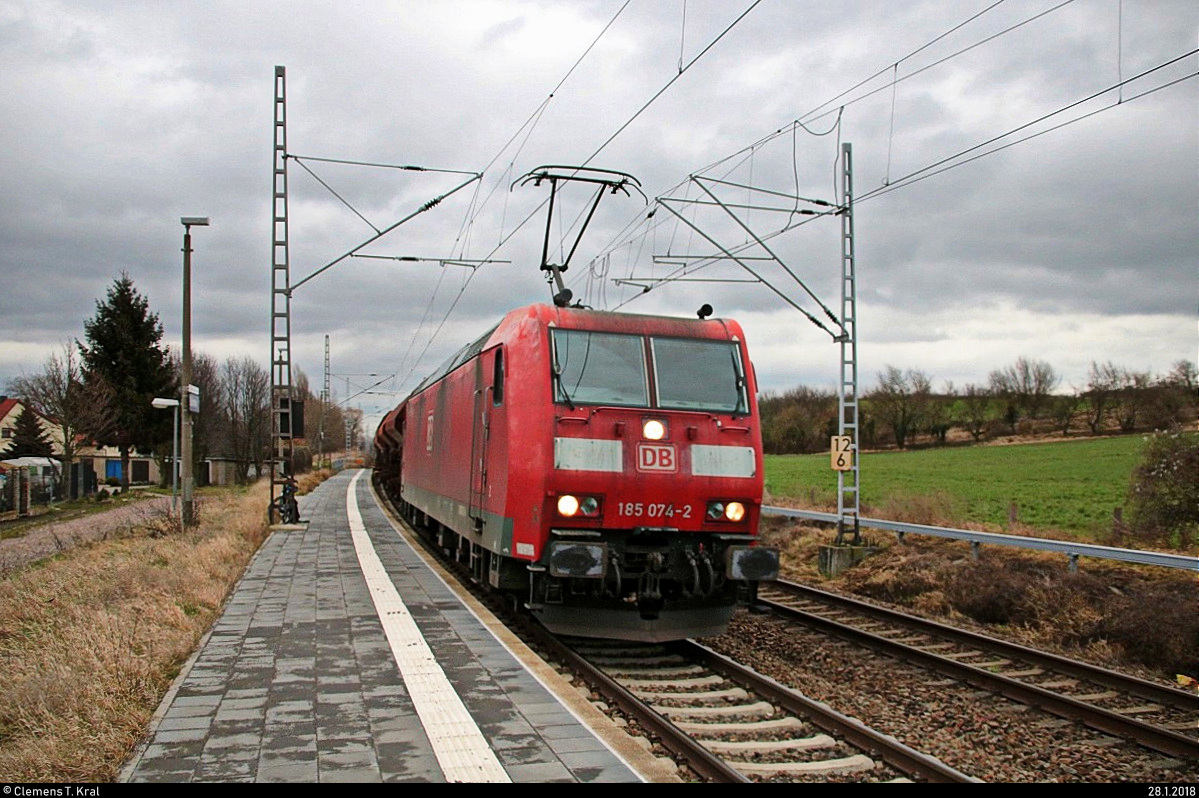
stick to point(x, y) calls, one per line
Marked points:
point(653, 510)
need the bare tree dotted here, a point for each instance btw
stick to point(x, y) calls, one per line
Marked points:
point(326, 420)
point(1172, 397)
point(1132, 396)
point(1183, 375)
point(245, 406)
point(1027, 385)
point(977, 412)
point(300, 383)
point(58, 394)
point(1103, 380)
point(206, 425)
point(901, 401)
point(800, 420)
point(1064, 408)
point(938, 415)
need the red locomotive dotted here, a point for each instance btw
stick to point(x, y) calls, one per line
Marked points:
point(605, 467)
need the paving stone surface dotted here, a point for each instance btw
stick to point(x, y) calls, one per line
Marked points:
point(296, 681)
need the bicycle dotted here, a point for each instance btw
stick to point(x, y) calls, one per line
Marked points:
point(285, 508)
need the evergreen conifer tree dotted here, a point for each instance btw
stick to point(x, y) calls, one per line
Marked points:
point(29, 438)
point(124, 351)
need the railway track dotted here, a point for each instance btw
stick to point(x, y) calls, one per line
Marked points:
point(730, 724)
point(727, 723)
point(722, 721)
point(1160, 718)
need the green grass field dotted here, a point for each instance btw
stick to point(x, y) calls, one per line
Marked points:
point(1071, 486)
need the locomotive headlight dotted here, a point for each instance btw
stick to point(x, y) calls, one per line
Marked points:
point(653, 430)
point(568, 505)
point(726, 511)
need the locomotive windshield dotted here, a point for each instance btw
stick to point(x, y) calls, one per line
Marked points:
point(593, 368)
point(692, 374)
point(599, 369)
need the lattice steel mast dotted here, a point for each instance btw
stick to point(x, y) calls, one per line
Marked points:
point(847, 395)
point(281, 386)
point(320, 454)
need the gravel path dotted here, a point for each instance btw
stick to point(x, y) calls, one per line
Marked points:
point(45, 540)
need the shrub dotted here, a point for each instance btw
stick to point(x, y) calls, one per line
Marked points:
point(995, 593)
point(1164, 496)
point(1136, 622)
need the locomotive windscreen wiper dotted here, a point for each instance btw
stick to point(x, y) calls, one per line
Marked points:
point(739, 381)
point(557, 369)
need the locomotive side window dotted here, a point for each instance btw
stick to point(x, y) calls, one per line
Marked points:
point(599, 368)
point(497, 379)
point(699, 375)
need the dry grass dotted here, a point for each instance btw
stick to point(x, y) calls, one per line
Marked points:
point(91, 638)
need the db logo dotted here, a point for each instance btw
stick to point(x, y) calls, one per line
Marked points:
point(656, 457)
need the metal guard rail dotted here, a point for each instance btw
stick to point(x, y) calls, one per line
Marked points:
point(1073, 550)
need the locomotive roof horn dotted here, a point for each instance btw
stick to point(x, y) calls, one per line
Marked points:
point(604, 179)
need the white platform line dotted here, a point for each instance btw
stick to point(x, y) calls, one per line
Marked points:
point(461, 750)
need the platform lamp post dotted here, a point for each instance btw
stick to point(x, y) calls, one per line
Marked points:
point(162, 404)
point(186, 395)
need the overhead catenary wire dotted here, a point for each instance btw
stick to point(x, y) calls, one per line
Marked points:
point(806, 122)
point(608, 141)
point(803, 122)
point(837, 104)
point(683, 69)
point(959, 159)
point(530, 123)
point(527, 127)
point(476, 208)
point(331, 190)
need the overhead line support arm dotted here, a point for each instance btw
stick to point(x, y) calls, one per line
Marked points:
point(428, 205)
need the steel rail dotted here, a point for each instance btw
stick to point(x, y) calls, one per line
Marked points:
point(886, 747)
point(1160, 693)
point(687, 748)
point(1153, 737)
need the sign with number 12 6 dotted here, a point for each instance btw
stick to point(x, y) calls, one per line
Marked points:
point(841, 452)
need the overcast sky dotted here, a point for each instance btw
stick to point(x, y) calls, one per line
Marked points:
point(1025, 174)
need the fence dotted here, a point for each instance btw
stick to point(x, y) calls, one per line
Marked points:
point(16, 493)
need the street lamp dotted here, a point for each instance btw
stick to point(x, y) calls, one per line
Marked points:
point(189, 509)
point(162, 404)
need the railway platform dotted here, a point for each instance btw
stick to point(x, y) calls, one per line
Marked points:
point(342, 656)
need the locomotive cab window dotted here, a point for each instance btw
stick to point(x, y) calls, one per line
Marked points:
point(497, 379)
point(692, 374)
point(599, 368)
